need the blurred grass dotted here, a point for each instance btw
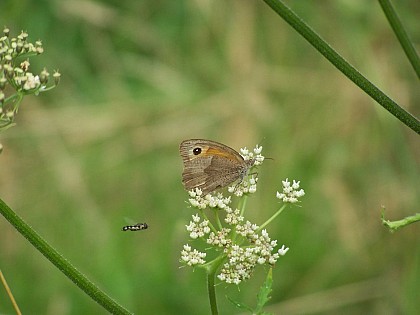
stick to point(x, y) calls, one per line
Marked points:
point(139, 77)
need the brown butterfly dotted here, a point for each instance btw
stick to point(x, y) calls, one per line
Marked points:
point(210, 165)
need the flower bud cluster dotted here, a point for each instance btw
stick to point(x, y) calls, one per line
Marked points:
point(291, 192)
point(15, 72)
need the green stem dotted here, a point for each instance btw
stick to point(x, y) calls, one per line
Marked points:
point(6, 125)
point(395, 225)
point(10, 294)
point(341, 64)
point(212, 293)
point(271, 219)
point(12, 97)
point(60, 262)
point(48, 88)
point(241, 207)
point(206, 218)
point(211, 269)
point(242, 204)
point(216, 214)
point(401, 34)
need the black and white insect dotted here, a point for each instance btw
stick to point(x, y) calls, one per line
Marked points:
point(136, 227)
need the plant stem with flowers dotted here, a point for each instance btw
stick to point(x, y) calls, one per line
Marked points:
point(237, 246)
point(16, 81)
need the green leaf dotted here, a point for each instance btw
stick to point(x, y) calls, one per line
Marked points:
point(264, 295)
point(240, 305)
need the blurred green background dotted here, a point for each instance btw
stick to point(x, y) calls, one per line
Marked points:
point(138, 77)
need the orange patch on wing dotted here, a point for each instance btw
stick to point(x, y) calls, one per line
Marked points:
point(216, 151)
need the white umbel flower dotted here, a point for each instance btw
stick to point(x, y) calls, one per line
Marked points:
point(291, 192)
point(192, 257)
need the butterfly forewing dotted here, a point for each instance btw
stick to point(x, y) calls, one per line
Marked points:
point(210, 165)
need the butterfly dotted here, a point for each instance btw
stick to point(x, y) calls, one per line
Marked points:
point(210, 165)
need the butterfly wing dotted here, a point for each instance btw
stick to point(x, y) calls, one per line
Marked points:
point(209, 165)
point(221, 173)
point(194, 175)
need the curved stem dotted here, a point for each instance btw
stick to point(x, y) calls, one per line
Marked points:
point(6, 125)
point(241, 207)
point(395, 225)
point(9, 293)
point(12, 97)
point(401, 34)
point(60, 262)
point(242, 204)
point(219, 223)
point(211, 269)
point(341, 64)
point(212, 293)
point(271, 219)
point(206, 218)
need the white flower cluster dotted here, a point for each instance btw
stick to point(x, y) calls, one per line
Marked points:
point(199, 201)
point(291, 193)
point(192, 257)
point(19, 45)
point(241, 261)
point(10, 48)
point(247, 230)
point(255, 155)
point(233, 217)
point(248, 185)
point(27, 80)
point(196, 228)
point(220, 239)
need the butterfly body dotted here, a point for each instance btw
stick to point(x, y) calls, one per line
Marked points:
point(210, 165)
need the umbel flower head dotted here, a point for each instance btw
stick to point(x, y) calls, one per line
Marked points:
point(16, 79)
point(240, 244)
point(291, 192)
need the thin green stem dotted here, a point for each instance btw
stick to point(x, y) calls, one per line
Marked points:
point(211, 269)
point(6, 125)
point(16, 99)
point(216, 214)
point(341, 64)
point(401, 34)
point(10, 294)
point(60, 262)
point(242, 204)
point(271, 219)
point(241, 207)
point(395, 225)
point(12, 97)
point(206, 218)
point(47, 88)
point(211, 289)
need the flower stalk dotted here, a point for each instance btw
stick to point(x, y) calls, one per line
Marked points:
point(61, 263)
point(236, 245)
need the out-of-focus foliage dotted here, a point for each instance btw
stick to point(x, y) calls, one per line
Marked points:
point(101, 151)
